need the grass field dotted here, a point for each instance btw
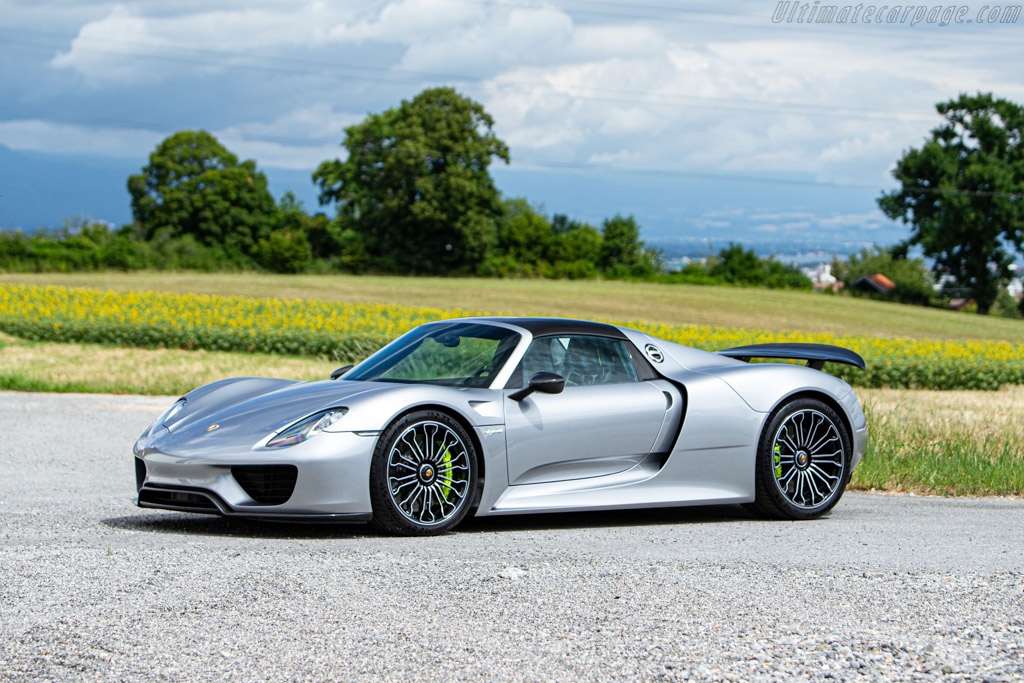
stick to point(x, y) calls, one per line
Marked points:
point(625, 301)
point(945, 442)
point(348, 332)
point(91, 368)
point(949, 443)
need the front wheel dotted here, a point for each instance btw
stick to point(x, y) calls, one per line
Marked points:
point(803, 461)
point(423, 475)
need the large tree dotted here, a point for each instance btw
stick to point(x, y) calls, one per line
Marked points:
point(194, 186)
point(415, 185)
point(963, 193)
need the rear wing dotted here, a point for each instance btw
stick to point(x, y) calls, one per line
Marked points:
point(816, 355)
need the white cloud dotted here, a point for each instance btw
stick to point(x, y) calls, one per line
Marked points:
point(282, 143)
point(562, 86)
point(780, 216)
point(270, 154)
point(847, 220)
point(277, 144)
point(408, 21)
point(106, 51)
point(58, 138)
point(313, 123)
point(705, 223)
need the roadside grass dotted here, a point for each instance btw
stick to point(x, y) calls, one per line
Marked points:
point(92, 368)
point(675, 305)
point(929, 442)
point(944, 442)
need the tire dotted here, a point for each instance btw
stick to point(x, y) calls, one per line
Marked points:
point(803, 461)
point(423, 476)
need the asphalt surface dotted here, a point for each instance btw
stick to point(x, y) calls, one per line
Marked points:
point(886, 587)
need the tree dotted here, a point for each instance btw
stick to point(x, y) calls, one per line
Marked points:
point(524, 238)
point(622, 252)
point(575, 249)
point(194, 186)
point(284, 251)
point(415, 185)
point(738, 266)
point(963, 193)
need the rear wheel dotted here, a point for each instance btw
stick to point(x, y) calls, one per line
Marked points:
point(803, 461)
point(423, 475)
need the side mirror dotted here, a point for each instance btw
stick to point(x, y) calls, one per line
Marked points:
point(544, 382)
point(341, 371)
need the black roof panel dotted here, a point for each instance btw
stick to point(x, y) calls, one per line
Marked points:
point(540, 327)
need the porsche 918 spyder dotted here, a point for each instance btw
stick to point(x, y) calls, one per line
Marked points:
point(502, 415)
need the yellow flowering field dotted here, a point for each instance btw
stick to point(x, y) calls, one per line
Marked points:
point(346, 332)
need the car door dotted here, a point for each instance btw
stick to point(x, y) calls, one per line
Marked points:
point(605, 420)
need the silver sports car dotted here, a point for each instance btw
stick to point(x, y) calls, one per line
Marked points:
point(498, 416)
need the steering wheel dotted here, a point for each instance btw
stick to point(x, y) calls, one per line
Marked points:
point(477, 374)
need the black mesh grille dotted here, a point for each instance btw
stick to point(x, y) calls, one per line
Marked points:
point(178, 499)
point(140, 473)
point(267, 484)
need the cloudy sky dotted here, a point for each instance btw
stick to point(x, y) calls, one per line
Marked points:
point(707, 121)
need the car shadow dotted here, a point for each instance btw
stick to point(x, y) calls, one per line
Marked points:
point(212, 525)
point(606, 518)
point(209, 525)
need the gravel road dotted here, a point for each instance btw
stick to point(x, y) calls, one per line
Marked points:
point(893, 587)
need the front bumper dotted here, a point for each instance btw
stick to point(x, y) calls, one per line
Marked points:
point(329, 479)
point(204, 501)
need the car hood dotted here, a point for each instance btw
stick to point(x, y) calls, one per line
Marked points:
point(247, 409)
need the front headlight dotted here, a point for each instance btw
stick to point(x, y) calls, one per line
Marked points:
point(165, 416)
point(307, 428)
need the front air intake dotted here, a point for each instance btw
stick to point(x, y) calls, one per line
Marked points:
point(177, 499)
point(266, 484)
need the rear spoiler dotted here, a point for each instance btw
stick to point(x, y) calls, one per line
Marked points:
point(816, 355)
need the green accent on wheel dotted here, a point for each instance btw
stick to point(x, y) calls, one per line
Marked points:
point(778, 472)
point(446, 467)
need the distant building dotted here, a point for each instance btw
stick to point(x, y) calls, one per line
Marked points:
point(960, 303)
point(1016, 284)
point(874, 284)
point(822, 278)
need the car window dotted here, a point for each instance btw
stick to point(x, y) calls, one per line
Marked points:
point(454, 354)
point(581, 359)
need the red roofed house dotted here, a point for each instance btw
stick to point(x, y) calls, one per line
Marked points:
point(876, 283)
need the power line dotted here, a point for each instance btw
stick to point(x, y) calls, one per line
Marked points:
point(161, 129)
point(397, 75)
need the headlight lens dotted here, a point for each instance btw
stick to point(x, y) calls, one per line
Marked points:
point(165, 416)
point(307, 428)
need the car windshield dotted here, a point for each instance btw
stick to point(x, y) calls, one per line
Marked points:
point(452, 354)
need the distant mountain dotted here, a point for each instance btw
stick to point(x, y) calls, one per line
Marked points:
point(683, 217)
point(40, 190)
